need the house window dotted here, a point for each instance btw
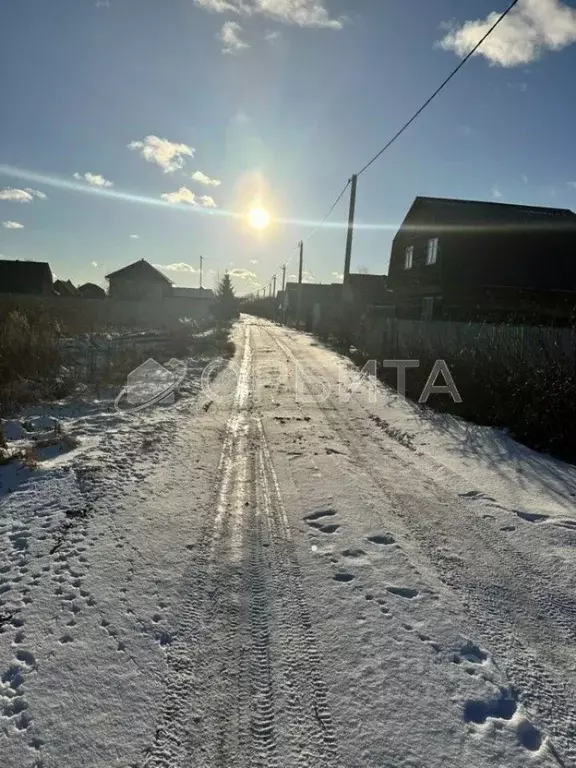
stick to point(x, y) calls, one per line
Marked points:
point(432, 254)
point(409, 257)
point(427, 307)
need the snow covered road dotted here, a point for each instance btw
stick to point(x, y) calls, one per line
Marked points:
point(304, 572)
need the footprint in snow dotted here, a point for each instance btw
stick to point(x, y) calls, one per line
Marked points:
point(343, 577)
point(328, 529)
point(503, 707)
point(383, 539)
point(319, 514)
point(472, 653)
point(530, 517)
point(407, 592)
point(353, 553)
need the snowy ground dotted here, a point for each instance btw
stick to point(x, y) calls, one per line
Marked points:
point(290, 575)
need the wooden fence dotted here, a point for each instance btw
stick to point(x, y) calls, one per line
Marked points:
point(388, 338)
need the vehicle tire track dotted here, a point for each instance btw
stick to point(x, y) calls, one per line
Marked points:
point(245, 686)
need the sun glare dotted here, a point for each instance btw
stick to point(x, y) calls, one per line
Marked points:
point(258, 217)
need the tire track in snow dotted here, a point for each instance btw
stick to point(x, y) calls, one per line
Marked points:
point(244, 685)
point(299, 661)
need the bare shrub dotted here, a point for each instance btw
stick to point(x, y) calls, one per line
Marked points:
point(30, 360)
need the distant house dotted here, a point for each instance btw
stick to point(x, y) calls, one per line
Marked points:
point(478, 261)
point(28, 277)
point(65, 288)
point(139, 281)
point(316, 299)
point(91, 291)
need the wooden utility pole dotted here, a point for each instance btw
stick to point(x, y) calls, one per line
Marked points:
point(283, 278)
point(350, 236)
point(201, 269)
point(299, 307)
point(274, 287)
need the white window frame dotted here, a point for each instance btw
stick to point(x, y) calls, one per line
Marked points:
point(432, 252)
point(409, 257)
point(427, 308)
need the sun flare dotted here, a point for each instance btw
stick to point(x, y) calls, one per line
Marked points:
point(258, 217)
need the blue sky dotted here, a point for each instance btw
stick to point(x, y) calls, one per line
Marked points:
point(109, 106)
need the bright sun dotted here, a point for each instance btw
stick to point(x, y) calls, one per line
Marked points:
point(258, 217)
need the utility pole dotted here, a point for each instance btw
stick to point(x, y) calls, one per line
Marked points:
point(274, 287)
point(201, 268)
point(283, 307)
point(350, 236)
point(299, 307)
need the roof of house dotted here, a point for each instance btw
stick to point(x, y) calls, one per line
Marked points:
point(91, 290)
point(459, 214)
point(140, 269)
point(193, 293)
point(24, 276)
point(65, 288)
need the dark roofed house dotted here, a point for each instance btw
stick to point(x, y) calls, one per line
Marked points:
point(65, 288)
point(139, 281)
point(484, 261)
point(28, 277)
point(91, 291)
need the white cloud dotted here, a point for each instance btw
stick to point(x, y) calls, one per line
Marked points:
point(496, 194)
point(184, 195)
point(207, 202)
point(524, 178)
point(201, 178)
point(272, 36)
point(21, 195)
point(95, 264)
point(36, 193)
point(218, 6)
point(94, 179)
point(179, 266)
point(243, 274)
point(307, 277)
point(304, 13)
point(12, 225)
point(530, 29)
point(229, 36)
point(338, 275)
point(253, 261)
point(164, 153)
point(134, 237)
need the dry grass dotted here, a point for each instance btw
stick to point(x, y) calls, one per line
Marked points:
point(30, 360)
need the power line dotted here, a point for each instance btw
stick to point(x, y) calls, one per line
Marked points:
point(325, 219)
point(317, 226)
point(440, 88)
